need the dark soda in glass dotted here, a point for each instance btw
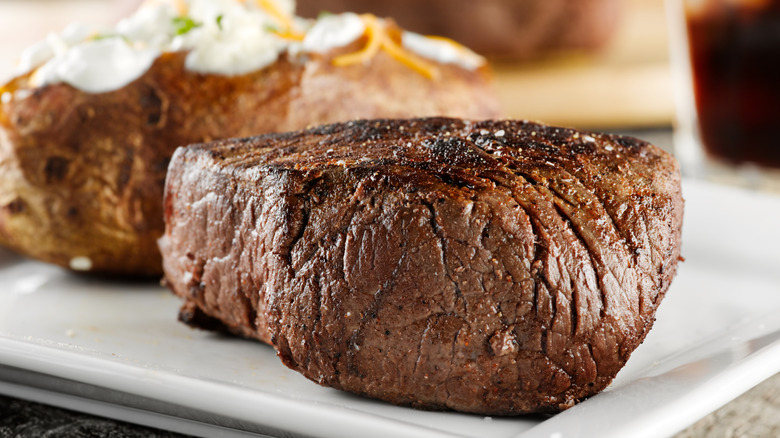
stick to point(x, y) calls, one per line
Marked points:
point(735, 58)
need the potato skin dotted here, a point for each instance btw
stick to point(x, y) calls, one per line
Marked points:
point(82, 175)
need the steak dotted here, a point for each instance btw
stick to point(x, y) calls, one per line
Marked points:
point(494, 267)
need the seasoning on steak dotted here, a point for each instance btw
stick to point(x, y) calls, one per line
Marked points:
point(497, 267)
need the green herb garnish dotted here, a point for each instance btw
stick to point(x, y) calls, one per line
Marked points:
point(105, 36)
point(184, 24)
point(219, 21)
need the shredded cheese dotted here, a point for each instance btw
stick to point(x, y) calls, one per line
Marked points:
point(273, 10)
point(5, 97)
point(290, 35)
point(374, 43)
point(250, 41)
point(410, 60)
point(378, 38)
point(287, 27)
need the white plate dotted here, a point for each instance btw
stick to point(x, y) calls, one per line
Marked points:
point(116, 349)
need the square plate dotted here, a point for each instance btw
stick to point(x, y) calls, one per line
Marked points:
point(116, 349)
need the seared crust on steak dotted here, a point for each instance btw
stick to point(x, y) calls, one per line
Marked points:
point(498, 267)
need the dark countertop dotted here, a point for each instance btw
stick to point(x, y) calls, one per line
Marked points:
point(23, 419)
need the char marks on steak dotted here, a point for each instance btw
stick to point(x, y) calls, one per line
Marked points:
point(496, 267)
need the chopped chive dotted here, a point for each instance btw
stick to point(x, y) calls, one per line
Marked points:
point(106, 36)
point(219, 21)
point(184, 24)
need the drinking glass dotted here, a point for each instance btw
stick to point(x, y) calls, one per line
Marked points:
point(726, 69)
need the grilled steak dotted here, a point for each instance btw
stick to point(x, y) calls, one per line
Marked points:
point(497, 267)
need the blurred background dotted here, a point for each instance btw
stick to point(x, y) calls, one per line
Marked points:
point(602, 66)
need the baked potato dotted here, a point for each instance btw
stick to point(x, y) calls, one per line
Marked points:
point(82, 171)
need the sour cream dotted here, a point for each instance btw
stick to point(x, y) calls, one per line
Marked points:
point(226, 37)
point(54, 44)
point(332, 31)
point(97, 66)
point(239, 43)
point(441, 50)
